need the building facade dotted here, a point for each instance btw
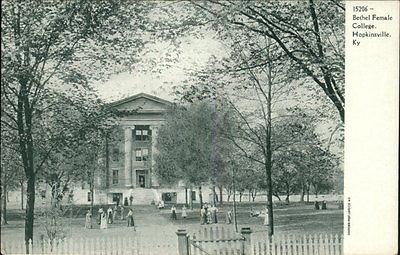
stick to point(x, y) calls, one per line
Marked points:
point(128, 171)
point(131, 161)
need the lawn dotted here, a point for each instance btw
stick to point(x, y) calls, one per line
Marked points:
point(154, 224)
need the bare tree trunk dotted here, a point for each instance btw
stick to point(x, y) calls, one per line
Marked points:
point(91, 188)
point(4, 209)
point(229, 193)
point(191, 198)
point(254, 194)
point(215, 198)
point(220, 195)
point(200, 197)
point(240, 196)
point(308, 193)
point(268, 151)
point(234, 199)
point(186, 197)
point(249, 196)
point(302, 192)
point(29, 212)
point(22, 195)
point(107, 170)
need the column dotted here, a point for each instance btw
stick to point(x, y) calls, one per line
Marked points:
point(153, 177)
point(246, 233)
point(128, 156)
point(183, 242)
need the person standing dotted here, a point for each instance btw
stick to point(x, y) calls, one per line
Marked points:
point(130, 200)
point(88, 220)
point(208, 212)
point(266, 217)
point(122, 212)
point(110, 215)
point(184, 214)
point(214, 216)
point(115, 212)
point(103, 224)
point(229, 217)
point(131, 222)
point(100, 212)
point(202, 215)
point(173, 212)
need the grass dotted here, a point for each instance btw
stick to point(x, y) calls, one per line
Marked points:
point(295, 218)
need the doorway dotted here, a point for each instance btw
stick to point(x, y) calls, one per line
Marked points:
point(142, 180)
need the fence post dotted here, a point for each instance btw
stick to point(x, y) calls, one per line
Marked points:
point(183, 242)
point(246, 233)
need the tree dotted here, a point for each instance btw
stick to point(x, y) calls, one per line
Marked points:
point(75, 126)
point(11, 171)
point(194, 154)
point(311, 36)
point(47, 44)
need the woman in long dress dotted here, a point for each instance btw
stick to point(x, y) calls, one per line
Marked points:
point(110, 215)
point(229, 217)
point(88, 220)
point(131, 222)
point(214, 214)
point(202, 213)
point(122, 212)
point(184, 214)
point(173, 212)
point(100, 212)
point(103, 223)
point(266, 217)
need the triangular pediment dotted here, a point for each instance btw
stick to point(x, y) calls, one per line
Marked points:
point(142, 103)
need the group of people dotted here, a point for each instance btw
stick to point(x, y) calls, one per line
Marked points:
point(173, 212)
point(108, 217)
point(208, 214)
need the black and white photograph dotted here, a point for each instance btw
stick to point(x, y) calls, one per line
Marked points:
point(186, 127)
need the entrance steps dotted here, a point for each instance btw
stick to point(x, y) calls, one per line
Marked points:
point(143, 196)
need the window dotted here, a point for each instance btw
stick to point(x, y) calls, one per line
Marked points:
point(43, 194)
point(115, 154)
point(89, 196)
point(169, 197)
point(142, 133)
point(141, 154)
point(145, 154)
point(138, 154)
point(115, 177)
point(116, 197)
point(193, 195)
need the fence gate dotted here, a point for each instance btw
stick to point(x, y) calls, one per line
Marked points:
point(217, 240)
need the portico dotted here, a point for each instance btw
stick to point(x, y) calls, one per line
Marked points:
point(140, 117)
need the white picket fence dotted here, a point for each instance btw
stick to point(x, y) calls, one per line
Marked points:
point(92, 246)
point(220, 240)
point(205, 241)
point(322, 244)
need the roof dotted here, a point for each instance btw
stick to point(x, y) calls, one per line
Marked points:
point(137, 96)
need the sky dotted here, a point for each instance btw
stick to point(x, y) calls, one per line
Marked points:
point(194, 55)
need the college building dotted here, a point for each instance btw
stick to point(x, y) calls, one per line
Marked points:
point(130, 168)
